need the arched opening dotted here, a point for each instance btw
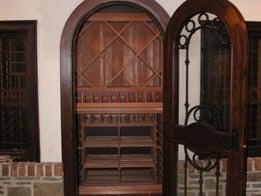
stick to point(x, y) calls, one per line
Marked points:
point(111, 92)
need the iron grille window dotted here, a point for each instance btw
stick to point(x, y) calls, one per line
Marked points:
point(19, 130)
point(215, 74)
point(254, 96)
point(254, 100)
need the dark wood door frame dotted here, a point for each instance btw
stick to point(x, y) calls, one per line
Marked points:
point(67, 48)
point(237, 31)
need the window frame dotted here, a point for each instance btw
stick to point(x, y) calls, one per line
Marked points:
point(254, 31)
point(30, 28)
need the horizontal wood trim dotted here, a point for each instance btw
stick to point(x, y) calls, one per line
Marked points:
point(119, 107)
point(115, 141)
point(119, 89)
point(119, 17)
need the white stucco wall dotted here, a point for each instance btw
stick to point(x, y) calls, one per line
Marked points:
point(51, 16)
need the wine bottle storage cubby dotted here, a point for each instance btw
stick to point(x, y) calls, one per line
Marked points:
point(126, 146)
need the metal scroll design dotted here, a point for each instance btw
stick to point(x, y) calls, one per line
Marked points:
point(190, 28)
point(210, 161)
point(201, 162)
point(201, 113)
point(197, 117)
point(203, 21)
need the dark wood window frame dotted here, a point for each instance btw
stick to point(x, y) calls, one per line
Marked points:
point(29, 30)
point(253, 122)
point(254, 146)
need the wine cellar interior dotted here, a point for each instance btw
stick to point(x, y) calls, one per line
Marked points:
point(118, 103)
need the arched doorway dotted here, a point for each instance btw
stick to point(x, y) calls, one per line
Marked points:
point(125, 90)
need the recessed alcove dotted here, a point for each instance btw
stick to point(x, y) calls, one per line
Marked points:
point(117, 96)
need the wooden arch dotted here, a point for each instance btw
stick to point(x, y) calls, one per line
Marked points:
point(67, 46)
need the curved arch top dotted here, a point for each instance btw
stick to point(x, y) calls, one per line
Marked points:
point(67, 44)
point(89, 7)
point(225, 10)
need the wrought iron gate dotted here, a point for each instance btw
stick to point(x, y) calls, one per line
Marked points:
point(206, 96)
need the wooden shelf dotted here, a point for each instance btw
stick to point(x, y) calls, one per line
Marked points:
point(128, 189)
point(115, 141)
point(136, 141)
point(118, 107)
point(101, 161)
point(101, 141)
point(136, 161)
point(136, 176)
point(102, 177)
point(117, 177)
point(126, 161)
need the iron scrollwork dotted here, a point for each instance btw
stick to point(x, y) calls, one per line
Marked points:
point(202, 115)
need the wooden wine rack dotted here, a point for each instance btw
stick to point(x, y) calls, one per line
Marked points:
point(116, 150)
point(119, 105)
